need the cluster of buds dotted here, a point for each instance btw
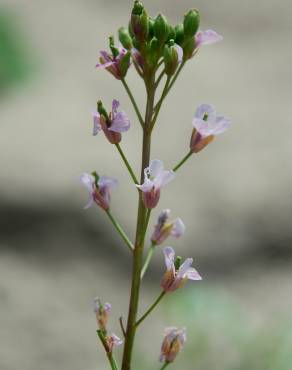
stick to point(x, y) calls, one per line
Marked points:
point(148, 40)
point(102, 312)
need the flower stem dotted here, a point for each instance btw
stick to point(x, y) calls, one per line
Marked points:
point(110, 356)
point(175, 76)
point(131, 172)
point(148, 259)
point(139, 242)
point(185, 158)
point(165, 365)
point(133, 102)
point(159, 104)
point(120, 231)
point(151, 308)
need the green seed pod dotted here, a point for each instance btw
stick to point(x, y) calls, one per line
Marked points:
point(96, 177)
point(179, 34)
point(191, 23)
point(161, 28)
point(189, 48)
point(125, 38)
point(177, 263)
point(115, 51)
point(170, 59)
point(101, 110)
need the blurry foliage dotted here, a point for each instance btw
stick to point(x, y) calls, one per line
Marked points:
point(222, 336)
point(15, 61)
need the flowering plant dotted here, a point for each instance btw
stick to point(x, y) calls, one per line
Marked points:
point(158, 52)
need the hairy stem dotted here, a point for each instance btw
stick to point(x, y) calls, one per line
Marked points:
point(120, 231)
point(129, 168)
point(140, 233)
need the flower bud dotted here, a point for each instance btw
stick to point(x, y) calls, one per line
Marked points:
point(179, 34)
point(102, 313)
point(171, 33)
point(125, 38)
point(161, 28)
point(189, 48)
point(171, 59)
point(139, 22)
point(154, 51)
point(191, 23)
point(125, 64)
point(172, 344)
point(151, 27)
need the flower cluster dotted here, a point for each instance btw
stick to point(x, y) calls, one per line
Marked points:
point(158, 51)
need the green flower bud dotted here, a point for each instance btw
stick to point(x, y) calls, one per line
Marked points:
point(139, 22)
point(170, 59)
point(171, 33)
point(125, 64)
point(161, 28)
point(179, 34)
point(189, 48)
point(154, 51)
point(177, 263)
point(191, 23)
point(151, 22)
point(125, 38)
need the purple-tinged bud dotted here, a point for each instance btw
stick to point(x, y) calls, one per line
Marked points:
point(164, 228)
point(125, 38)
point(191, 23)
point(161, 28)
point(172, 344)
point(179, 34)
point(113, 341)
point(139, 22)
point(102, 313)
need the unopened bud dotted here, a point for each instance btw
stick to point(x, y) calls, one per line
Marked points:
point(172, 344)
point(179, 34)
point(189, 48)
point(139, 22)
point(171, 59)
point(125, 38)
point(154, 51)
point(125, 64)
point(191, 23)
point(102, 313)
point(161, 28)
point(171, 33)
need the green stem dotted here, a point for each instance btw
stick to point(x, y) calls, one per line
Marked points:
point(148, 259)
point(131, 172)
point(165, 365)
point(120, 231)
point(146, 222)
point(176, 76)
point(110, 356)
point(159, 104)
point(185, 158)
point(151, 308)
point(133, 102)
point(139, 242)
point(159, 78)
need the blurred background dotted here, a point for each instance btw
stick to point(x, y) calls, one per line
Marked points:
point(235, 197)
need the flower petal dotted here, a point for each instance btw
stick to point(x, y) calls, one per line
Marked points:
point(120, 123)
point(107, 182)
point(207, 37)
point(116, 340)
point(184, 268)
point(221, 125)
point(178, 228)
point(204, 109)
point(169, 257)
point(115, 106)
point(96, 123)
point(155, 168)
point(193, 274)
point(146, 186)
point(88, 181)
point(163, 178)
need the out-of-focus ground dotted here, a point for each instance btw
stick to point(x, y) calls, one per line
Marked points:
point(235, 197)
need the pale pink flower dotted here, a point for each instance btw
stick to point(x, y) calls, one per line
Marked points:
point(118, 123)
point(164, 228)
point(174, 279)
point(100, 192)
point(172, 344)
point(206, 125)
point(102, 313)
point(207, 37)
point(113, 64)
point(155, 177)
